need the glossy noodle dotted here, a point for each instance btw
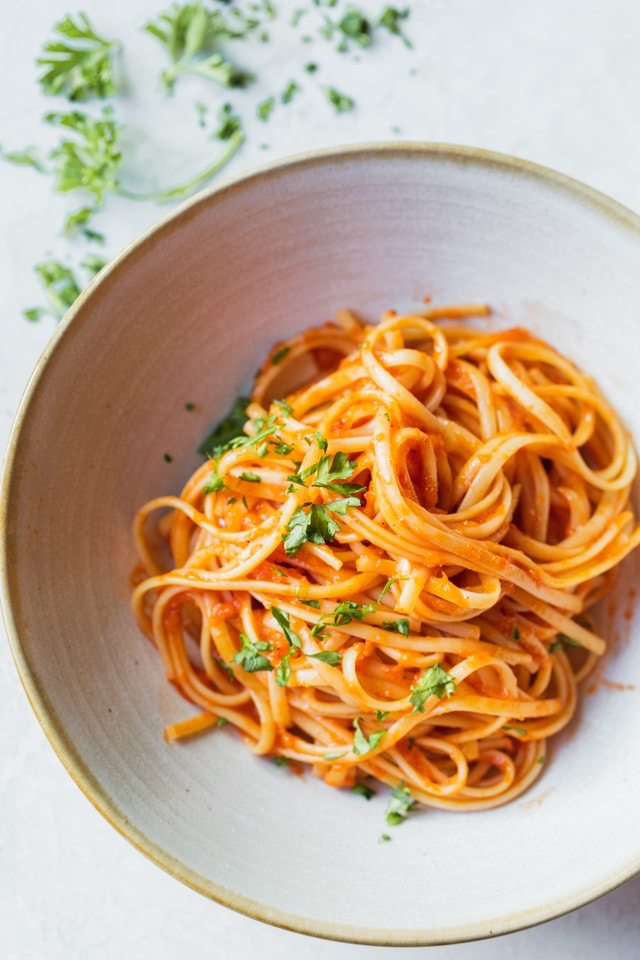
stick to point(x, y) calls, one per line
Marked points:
point(390, 573)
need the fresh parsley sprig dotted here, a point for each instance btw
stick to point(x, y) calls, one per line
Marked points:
point(342, 615)
point(78, 63)
point(191, 35)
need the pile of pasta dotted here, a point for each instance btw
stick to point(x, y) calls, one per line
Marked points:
point(388, 573)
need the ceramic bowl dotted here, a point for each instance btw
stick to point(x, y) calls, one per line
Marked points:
point(183, 316)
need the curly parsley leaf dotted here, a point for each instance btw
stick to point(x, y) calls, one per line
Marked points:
point(191, 35)
point(362, 744)
point(91, 160)
point(329, 472)
point(78, 63)
point(250, 656)
point(435, 681)
point(400, 805)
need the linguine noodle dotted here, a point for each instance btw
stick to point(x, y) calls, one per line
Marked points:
point(389, 574)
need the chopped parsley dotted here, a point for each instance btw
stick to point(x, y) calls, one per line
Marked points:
point(315, 525)
point(515, 633)
point(283, 672)
point(279, 355)
point(355, 26)
point(384, 837)
point(221, 722)
point(397, 626)
point(281, 761)
point(519, 730)
point(334, 756)
point(23, 158)
point(341, 616)
point(214, 483)
point(229, 124)
point(191, 34)
point(332, 657)
point(388, 586)
point(390, 20)
point(362, 744)
point(189, 407)
point(400, 805)
point(363, 790)
point(561, 640)
point(284, 622)
point(250, 477)
point(434, 682)
point(78, 63)
point(289, 92)
point(340, 101)
point(227, 429)
point(250, 657)
point(265, 108)
point(382, 714)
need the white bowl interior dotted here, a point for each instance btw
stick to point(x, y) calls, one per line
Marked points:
point(185, 317)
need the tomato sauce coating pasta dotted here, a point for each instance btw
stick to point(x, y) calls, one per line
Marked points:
point(389, 574)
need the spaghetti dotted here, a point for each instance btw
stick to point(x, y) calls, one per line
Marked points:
point(389, 574)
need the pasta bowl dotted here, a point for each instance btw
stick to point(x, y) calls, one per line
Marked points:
point(155, 351)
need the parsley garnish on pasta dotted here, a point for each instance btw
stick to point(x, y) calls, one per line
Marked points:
point(385, 573)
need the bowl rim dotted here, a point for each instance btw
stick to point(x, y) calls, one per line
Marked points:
point(46, 715)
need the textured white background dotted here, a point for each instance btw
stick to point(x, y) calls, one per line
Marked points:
point(557, 82)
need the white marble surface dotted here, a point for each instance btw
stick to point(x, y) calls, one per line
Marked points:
point(557, 82)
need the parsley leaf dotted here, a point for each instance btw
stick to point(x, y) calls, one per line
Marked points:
point(78, 65)
point(214, 482)
point(341, 616)
point(397, 626)
point(340, 101)
point(23, 158)
point(191, 34)
point(228, 428)
point(265, 108)
point(434, 681)
point(382, 714)
point(283, 672)
point(289, 92)
point(61, 287)
point(329, 471)
point(228, 123)
point(355, 26)
point(561, 640)
point(332, 657)
point(390, 19)
point(250, 477)
point(362, 744)
point(520, 730)
point(314, 525)
point(91, 160)
point(515, 633)
point(341, 506)
point(283, 448)
point(221, 722)
point(400, 805)
point(388, 586)
point(284, 622)
point(279, 355)
point(250, 657)
point(363, 790)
